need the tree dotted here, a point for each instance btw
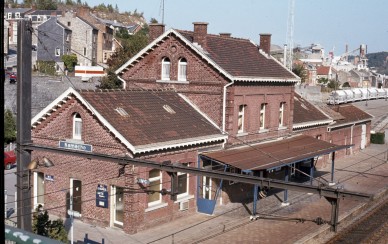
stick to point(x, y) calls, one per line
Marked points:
point(132, 44)
point(43, 226)
point(9, 127)
point(333, 84)
point(300, 71)
point(46, 4)
point(154, 21)
point(323, 81)
point(70, 61)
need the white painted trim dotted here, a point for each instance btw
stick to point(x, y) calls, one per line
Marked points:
point(263, 79)
point(350, 123)
point(124, 82)
point(311, 123)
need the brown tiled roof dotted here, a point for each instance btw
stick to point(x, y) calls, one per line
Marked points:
point(274, 154)
point(323, 70)
point(350, 114)
point(147, 121)
point(241, 57)
point(329, 111)
point(305, 112)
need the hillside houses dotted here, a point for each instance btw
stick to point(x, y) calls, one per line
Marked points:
point(193, 99)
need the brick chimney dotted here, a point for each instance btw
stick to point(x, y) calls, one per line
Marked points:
point(83, 11)
point(200, 32)
point(155, 31)
point(224, 34)
point(265, 42)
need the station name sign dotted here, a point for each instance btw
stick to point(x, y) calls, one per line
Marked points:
point(75, 146)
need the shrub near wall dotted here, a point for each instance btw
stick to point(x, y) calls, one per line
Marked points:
point(46, 67)
point(377, 138)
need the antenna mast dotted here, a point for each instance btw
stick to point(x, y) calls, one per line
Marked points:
point(290, 34)
point(162, 3)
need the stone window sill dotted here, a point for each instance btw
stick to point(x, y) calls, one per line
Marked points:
point(263, 131)
point(157, 206)
point(242, 134)
point(282, 128)
point(184, 198)
point(174, 81)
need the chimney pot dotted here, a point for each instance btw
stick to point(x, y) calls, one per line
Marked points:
point(200, 32)
point(265, 42)
point(155, 31)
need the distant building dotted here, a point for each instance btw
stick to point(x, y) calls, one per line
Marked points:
point(12, 15)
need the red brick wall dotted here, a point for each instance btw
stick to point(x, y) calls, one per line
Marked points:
point(94, 172)
point(205, 90)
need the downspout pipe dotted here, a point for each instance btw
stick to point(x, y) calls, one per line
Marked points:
point(122, 80)
point(224, 108)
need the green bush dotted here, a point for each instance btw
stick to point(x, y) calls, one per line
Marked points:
point(377, 138)
point(46, 67)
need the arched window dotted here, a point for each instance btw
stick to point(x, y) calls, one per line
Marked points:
point(77, 126)
point(166, 69)
point(182, 69)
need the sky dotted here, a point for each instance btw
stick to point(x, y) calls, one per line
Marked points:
point(331, 23)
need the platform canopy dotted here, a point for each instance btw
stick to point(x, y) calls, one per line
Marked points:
point(274, 154)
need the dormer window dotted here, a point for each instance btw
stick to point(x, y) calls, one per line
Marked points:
point(166, 69)
point(9, 16)
point(17, 15)
point(182, 69)
point(77, 127)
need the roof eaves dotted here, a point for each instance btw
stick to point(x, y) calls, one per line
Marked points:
point(349, 123)
point(311, 123)
point(179, 143)
point(264, 79)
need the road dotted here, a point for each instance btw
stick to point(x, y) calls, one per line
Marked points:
point(9, 186)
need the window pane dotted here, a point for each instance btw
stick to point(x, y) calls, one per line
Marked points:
point(154, 186)
point(119, 204)
point(182, 183)
point(182, 70)
point(154, 173)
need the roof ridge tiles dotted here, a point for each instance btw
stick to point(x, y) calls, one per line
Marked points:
point(216, 35)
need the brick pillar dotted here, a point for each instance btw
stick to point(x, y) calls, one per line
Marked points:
point(265, 42)
point(200, 32)
point(132, 216)
point(155, 31)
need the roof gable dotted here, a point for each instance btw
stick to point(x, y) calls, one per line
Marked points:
point(144, 121)
point(236, 59)
point(351, 114)
point(306, 114)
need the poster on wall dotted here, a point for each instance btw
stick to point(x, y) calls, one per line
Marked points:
point(102, 196)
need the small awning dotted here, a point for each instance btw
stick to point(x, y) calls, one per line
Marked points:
point(274, 154)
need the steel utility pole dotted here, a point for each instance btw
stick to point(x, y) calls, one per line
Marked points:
point(23, 120)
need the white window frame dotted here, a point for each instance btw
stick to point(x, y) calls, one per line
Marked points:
point(57, 52)
point(36, 183)
point(76, 120)
point(262, 116)
point(166, 69)
point(154, 179)
point(9, 16)
point(281, 114)
point(182, 69)
point(184, 194)
point(17, 15)
point(241, 117)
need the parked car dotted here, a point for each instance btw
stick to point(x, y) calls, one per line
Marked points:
point(9, 159)
point(12, 78)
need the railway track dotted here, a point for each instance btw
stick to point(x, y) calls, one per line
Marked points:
point(370, 228)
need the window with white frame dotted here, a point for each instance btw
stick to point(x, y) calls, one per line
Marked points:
point(77, 126)
point(241, 115)
point(155, 179)
point(166, 69)
point(57, 51)
point(182, 69)
point(262, 116)
point(17, 15)
point(9, 16)
point(281, 113)
point(183, 183)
